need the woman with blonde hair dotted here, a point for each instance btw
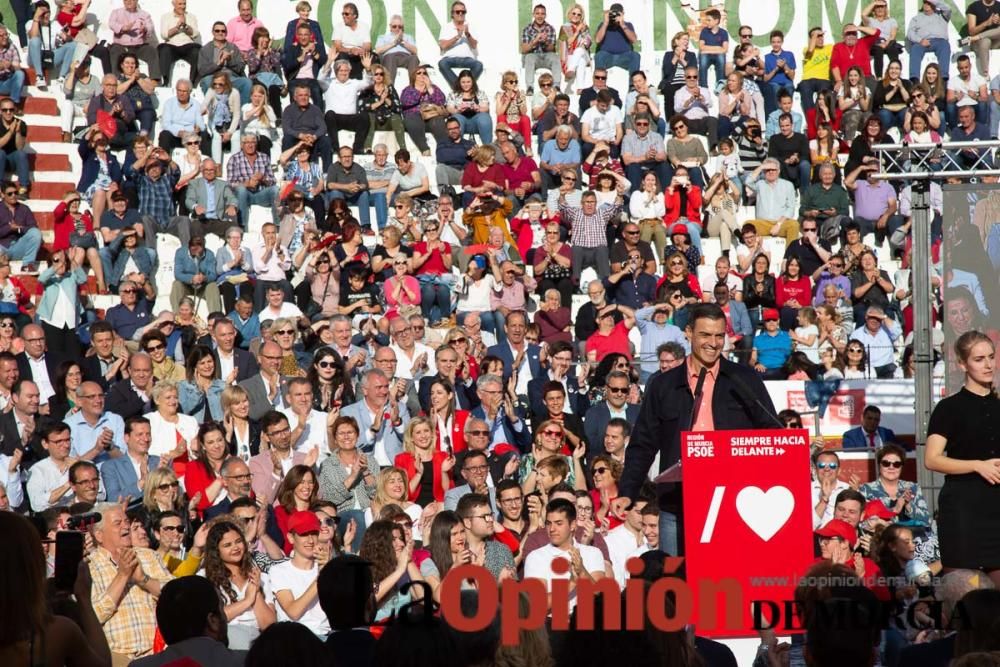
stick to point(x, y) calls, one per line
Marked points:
point(427, 468)
point(242, 433)
point(482, 177)
point(391, 489)
point(259, 118)
point(512, 108)
point(575, 41)
point(284, 332)
point(162, 492)
point(221, 109)
point(172, 431)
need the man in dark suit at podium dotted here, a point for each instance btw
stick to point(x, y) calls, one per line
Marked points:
point(705, 393)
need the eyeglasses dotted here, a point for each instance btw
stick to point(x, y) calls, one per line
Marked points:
point(553, 434)
point(641, 123)
point(600, 471)
point(617, 390)
point(286, 332)
point(547, 84)
point(476, 468)
point(245, 477)
point(11, 193)
point(421, 72)
point(404, 330)
point(822, 465)
point(678, 127)
point(90, 481)
point(568, 179)
point(192, 143)
point(836, 265)
point(327, 364)
point(400, 205)
point(479, 432)
point(171, 529)
point(219, 31)
point(485, 517)
point(246, 520)
point(809, 229)
point(396, 25)
point(600, 78)
point(689, 77)
point(154, 348)
point(280, 431)
point(459, 11)
point(7, 109)
point(890, 464)
point(6, 325)
point(510, 273)
point(378, 73)
point(854, 350)
point(330, 521)
point(168, 486)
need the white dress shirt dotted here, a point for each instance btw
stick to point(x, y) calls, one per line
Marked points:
point(40, 374)
point(43, 478)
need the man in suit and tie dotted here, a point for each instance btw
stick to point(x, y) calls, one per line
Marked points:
point(615, 404)
point(381, 435)
point(517, 354)
point(211, 201)
point(131, 397)
point(125, 476)
point(267, 469)
point(17, 425)
point(235, 365)
point(560, 357)
point(37, 363)
point(264, 388)
point(869, 435)
point(104, 366)
point(475, 469)
point(446, 360)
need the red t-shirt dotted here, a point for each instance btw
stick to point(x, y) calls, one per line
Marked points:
point(843, 58)
point(473, 178)
point(435, 263)
point(616, 341)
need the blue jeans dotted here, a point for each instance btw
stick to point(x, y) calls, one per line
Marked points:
point(695, 231)
point(669, 539)
point(481, 123)
point(360, 199)
point(381, 209)
point(941, 49)
point(628, 61)
point(434, 293)
point(20, 161)
point(12, 85)
point(451, 63)
point(26, 247)
point(892, 118)
point(265, 196)
point(808, 89)
point(62, 57)
point(706, 60)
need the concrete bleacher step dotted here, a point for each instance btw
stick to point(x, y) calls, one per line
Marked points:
point(45, 162)
point(51, 189)
point(44, 133)
point(43, 106)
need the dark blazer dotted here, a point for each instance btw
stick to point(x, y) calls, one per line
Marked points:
point(536, 404)
point(290, 59)
point(666, 411)
point(91, 167)
point(52, 361)
point(669, 69)
point(502, 350)
point(91, 367)
point(124, 402)
point(254, 439)
point(246, 364)
point(466, 396)
point(10, 440)
point(937, 653)
point(596, 420)
point(257, 391)
point(855, 438)
point(520, 440)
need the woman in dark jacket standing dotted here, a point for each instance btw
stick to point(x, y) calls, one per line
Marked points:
point(674, 64)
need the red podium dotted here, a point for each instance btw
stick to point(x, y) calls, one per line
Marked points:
point(747, 525)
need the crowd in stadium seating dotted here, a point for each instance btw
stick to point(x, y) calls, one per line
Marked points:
point(435, 355)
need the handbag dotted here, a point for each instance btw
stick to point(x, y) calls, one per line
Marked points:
point(432, 111)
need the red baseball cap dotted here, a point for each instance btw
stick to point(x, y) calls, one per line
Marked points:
point(839, 528)
point(771, 314)
point(877, 508)
point(301, 523)
point(679, 228)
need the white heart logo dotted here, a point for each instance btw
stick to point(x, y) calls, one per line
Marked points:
point(765, 511)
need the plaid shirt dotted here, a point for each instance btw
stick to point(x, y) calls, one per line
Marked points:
point(548, 43)
point(11, 54)
point(156, 198)
point(587, 231)
point(131, 624)
point(240, 169)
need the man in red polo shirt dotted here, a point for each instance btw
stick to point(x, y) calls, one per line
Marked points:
point(853, 51)
point(611, 337)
